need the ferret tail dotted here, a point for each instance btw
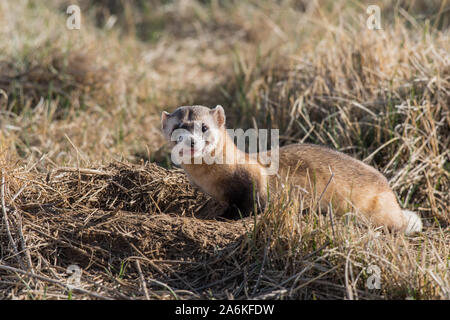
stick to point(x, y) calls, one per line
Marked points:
point(414, 224)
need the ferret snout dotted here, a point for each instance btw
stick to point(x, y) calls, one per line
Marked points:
point(191, 141)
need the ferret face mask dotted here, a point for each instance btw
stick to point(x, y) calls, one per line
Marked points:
point(194, 133)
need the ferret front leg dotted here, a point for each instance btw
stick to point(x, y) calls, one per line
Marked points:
point(232, 213)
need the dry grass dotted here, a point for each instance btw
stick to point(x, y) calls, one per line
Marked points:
point(91, 99)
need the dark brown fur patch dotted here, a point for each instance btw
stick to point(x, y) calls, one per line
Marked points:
point(242, 193)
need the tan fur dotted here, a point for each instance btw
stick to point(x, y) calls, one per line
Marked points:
point(346, 183)
point(216, 179)
point(351, 183)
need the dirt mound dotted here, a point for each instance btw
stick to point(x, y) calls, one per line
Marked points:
point(142, 232)
point(113, 219)
point(144, 189)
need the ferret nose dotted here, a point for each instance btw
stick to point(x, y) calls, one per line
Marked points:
point(192, 143)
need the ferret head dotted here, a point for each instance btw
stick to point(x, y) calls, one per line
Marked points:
point(196, 131)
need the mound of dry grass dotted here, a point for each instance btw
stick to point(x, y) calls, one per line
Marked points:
point(103, 219)
point(143, 232)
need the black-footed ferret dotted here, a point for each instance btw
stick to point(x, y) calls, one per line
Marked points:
point(213, 163)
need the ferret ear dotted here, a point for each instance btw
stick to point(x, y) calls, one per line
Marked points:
point(164, 116)
point(219, 115)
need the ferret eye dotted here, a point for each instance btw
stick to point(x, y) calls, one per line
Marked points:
point(204, 128)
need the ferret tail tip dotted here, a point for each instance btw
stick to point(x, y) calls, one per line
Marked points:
point(414, 224)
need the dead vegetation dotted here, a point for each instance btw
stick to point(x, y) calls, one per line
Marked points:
point(122, 222)
point(79, 128)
